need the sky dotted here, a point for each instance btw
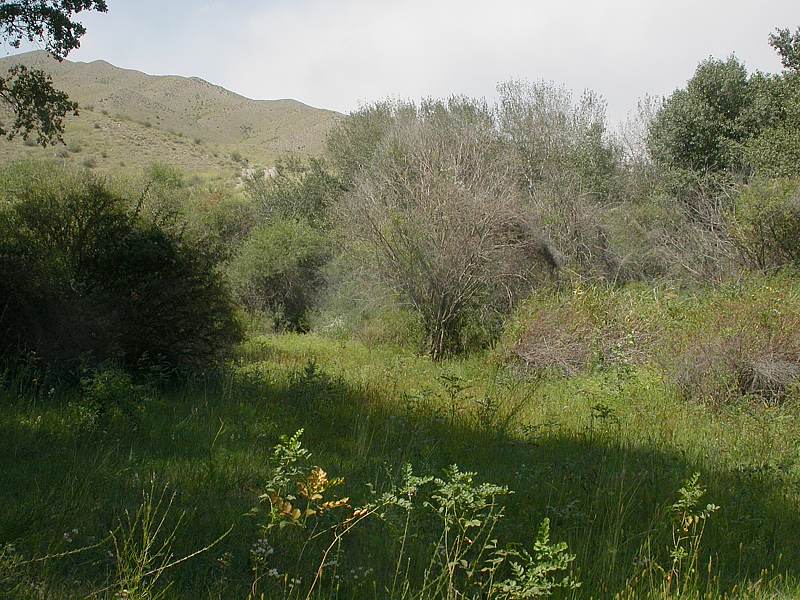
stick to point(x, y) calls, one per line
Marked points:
point(339, 54)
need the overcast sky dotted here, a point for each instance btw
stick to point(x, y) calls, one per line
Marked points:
point(340, 53)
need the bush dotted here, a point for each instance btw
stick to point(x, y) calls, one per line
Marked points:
point(439, 221)
point(739, 341)
point(164, 174)
point(714, 345)
point(295, 190)
point(85, 278)
point(351, 306)
point(108, 396)
point(569, 333)
point(765, 224)
point(277, 270)
point(226, 220)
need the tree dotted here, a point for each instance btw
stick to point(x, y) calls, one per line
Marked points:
point(29, 93)
point(700, 128)
point(566, 165)
point(87, 277)
point(787, 44)
point(440, 220)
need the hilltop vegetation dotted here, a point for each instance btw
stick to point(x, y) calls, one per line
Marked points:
point(465, 350)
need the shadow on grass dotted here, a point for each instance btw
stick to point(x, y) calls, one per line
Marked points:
point(210, 441)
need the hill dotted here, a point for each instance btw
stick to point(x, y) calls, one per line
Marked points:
point(129, 119)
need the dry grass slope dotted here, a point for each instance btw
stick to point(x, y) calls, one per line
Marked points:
point(129, 119)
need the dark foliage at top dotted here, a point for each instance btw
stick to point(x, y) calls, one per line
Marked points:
point(29, 93)
point(48, 21)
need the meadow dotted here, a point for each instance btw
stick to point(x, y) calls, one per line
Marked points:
point(601, 455)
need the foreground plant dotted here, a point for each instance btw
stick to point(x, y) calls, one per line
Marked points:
point(446, 547)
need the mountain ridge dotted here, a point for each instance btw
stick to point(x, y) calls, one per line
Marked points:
point(135, 117)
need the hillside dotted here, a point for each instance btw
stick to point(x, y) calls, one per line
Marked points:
point(129, 119)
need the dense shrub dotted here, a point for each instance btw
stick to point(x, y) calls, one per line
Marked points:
point(350, 305)
point(437, 218)
point(294, 189)
point(714, 344)
point(571, 332)
point(277, 270)
point(86, 278)
point(742, 340)
point(224, 220)
point(766, 224)
point(164, 174)
point(566, 166)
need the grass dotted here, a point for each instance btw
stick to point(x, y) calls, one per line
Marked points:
point(601, 455)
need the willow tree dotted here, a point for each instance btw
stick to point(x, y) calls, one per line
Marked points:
point(439, 215)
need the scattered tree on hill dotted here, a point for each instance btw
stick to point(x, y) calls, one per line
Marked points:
point(29, 94)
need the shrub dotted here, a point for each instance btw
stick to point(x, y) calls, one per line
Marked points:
point(164, 174)
point(570, 332)
point(353, 306)
point(714, 345)
point(765, 224)
point(741, 340)
point(438, 219)
point(110, 395)
point(295, 189)
point(86, 278)
point(277, 270)
point(226, 220)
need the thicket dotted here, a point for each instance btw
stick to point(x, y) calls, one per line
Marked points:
point(91, 276)
point(426, 223)
point(714, 344)
point(443, 204)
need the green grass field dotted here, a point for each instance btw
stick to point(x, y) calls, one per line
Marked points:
point(601, 455)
